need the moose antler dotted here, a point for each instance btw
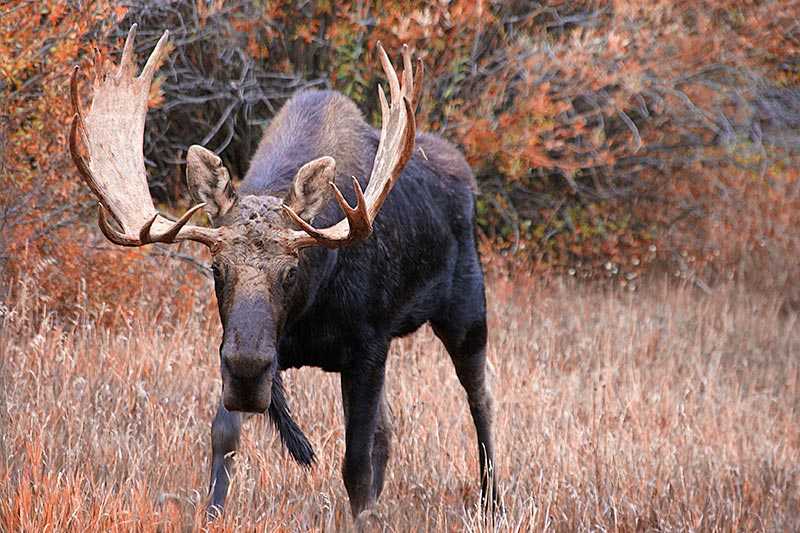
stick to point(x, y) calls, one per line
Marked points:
point(113, 134)
point(394, 150)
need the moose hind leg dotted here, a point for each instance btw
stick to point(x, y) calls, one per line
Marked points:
point(381, 446)
point(225, 431)
point(467, 348)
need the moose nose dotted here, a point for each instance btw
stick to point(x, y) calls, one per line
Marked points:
point(245, 365)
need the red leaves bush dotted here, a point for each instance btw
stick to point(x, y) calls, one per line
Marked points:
point(609, 137)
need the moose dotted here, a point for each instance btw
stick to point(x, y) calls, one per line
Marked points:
point(296, 282)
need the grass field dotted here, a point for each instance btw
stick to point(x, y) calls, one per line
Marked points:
point(659, 410)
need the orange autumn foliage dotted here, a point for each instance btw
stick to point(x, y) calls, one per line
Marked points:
point(610, 137)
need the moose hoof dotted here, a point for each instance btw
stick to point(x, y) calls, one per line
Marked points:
point(213, 512)
point(368, 520)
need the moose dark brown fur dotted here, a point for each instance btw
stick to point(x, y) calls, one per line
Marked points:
point(331, 298)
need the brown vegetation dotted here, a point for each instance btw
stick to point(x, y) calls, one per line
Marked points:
point(658, 410)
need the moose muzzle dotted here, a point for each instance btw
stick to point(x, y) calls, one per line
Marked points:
point(248, 358)
point(249, 391)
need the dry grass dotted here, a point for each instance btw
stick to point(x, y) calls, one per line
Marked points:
point(660, 410)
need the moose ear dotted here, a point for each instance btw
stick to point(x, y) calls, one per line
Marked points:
point(310, 189)
point(209, 182)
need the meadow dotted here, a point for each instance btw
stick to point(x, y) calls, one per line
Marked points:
point(659, 409)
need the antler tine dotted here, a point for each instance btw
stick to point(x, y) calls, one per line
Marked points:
point(412, 78)
point(391, 74)
point(408, 72)
point(156, 57)
point(126, 63)
point(358, 215)
point(169, 235)
point(314, 234)
point(73, 93)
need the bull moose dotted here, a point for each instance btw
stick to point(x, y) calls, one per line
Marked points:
point(296, 283)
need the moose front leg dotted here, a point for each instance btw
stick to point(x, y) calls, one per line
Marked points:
point(362, 393)
point(225, 431)
point(382, 441)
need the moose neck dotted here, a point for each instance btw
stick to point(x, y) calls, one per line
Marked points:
point(317, 266)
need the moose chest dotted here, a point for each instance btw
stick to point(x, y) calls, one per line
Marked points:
point(325, 344)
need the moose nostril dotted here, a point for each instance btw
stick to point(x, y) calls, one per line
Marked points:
point(247, 365)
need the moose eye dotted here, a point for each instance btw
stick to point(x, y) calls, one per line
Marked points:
point(289, 278)
point(217, 272)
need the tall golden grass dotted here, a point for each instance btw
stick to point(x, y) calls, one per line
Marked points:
point(664, 409)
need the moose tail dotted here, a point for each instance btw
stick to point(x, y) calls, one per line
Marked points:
point(291, 435)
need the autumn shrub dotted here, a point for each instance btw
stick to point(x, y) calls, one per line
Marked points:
point(609, 138)
point(649, 135)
